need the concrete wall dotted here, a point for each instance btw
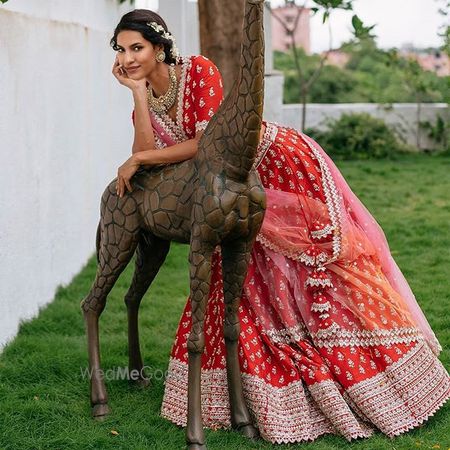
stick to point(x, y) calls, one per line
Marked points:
point(181, 17)
point(64, 129)
point(402, 117)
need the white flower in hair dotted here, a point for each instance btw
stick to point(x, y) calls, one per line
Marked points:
point(166, 35)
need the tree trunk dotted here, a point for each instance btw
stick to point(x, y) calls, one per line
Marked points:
point(221, 34)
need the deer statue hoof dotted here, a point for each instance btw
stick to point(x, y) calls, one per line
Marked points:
point(100, 411)
point(248, 430)
point(141, 382)
point(197, 447)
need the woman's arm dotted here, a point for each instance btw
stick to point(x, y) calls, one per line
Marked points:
point(143, 131)
point(175, 153)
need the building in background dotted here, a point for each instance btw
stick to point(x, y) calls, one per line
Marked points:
point(281, 39)
point(433, 60)
point(337, 58)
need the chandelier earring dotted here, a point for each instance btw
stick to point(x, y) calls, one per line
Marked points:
point(160, 56)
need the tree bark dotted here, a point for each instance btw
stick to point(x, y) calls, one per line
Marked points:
point(221, 35)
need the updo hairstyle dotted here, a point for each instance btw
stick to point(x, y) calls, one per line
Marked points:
point(137, 21)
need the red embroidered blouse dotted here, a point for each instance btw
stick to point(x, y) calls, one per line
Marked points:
point(200, 94)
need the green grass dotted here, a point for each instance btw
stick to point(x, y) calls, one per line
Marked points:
point(44, 401)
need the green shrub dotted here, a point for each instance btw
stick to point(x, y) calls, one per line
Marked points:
point(439, 133)
point(358, 136)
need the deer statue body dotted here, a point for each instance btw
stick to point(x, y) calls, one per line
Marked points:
point(214, 199)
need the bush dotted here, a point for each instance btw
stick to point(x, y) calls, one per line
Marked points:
point(358, 136)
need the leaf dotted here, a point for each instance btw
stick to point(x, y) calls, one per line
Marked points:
point(356, 22)
point(359, 30)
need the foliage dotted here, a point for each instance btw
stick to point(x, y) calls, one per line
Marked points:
point(439, 132)
point(358, 136)
point(331, 87)
point(371, 75)
point(444, 29)
point(44, 402)
point(306, 80)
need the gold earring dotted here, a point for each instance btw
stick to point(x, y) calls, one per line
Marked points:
point(160, 56)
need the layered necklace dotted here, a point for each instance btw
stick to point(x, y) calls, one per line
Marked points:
point(163, 103)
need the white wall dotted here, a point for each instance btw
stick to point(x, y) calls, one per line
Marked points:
point(400, 116)
point(64, 129)
point(181, 17)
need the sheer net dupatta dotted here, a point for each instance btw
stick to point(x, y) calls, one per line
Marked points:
point(348, 262)
point(356, 219)
point(162, 135)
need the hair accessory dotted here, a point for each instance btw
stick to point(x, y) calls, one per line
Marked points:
point(174, 52)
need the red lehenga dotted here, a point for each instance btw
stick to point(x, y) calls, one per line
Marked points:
point(332, 340)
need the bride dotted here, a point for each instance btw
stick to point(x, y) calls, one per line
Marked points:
point(332, 339)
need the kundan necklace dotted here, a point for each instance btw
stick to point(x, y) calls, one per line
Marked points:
point(163, 103)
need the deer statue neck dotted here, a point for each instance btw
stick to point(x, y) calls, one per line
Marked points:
point(233, 134)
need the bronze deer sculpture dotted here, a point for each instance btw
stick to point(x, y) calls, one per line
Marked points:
point(214, 199)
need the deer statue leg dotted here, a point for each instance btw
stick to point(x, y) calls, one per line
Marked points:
point(235, 259)
point(150, 255)
point(117, 243)
point(200, 277)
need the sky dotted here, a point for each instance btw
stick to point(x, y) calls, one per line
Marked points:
point(397, 22)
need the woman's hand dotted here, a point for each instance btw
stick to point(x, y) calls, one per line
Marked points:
point(124, 174)
point(121, 74)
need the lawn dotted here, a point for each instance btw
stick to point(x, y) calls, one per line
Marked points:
point(44, 400)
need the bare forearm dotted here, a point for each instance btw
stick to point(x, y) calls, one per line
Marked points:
point(175, 153)
point(143, 132)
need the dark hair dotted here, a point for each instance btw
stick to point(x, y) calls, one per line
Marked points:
point(137, 21)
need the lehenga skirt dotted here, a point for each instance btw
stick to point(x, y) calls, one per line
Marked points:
point(332, 339)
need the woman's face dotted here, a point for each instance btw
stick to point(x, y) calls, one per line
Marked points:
point(136, 54)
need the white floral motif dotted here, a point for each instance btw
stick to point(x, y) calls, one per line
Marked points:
point(200, 126)
point(211, 92)
point(202, 103)
point(199, 68)
point(201, 83)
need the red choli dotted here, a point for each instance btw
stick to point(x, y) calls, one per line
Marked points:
point(200, 92)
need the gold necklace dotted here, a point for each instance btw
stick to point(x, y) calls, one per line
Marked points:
point(164, 102)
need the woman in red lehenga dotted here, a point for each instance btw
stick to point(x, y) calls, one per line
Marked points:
point(332, 339)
